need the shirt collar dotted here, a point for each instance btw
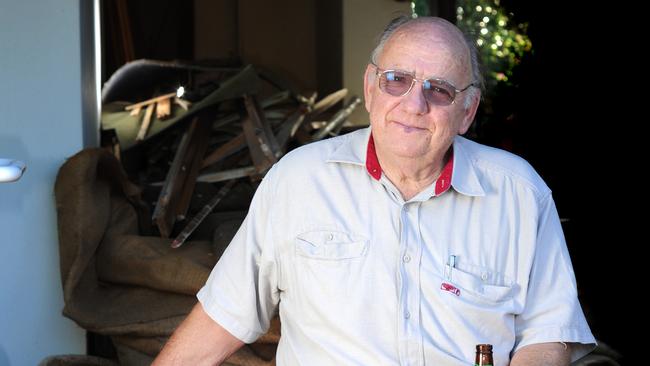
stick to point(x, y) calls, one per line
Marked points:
point(464, 178)
point(352, 149)
point(459, 172)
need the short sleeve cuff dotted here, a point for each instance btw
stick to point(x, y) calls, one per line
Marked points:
point(582, 340)
point(229, 322)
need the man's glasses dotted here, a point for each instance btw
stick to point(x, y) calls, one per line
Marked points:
point(436, 91)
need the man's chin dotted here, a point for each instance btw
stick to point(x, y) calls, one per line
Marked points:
point(408, 151)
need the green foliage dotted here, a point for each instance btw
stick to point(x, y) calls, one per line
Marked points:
point(420, 8)
point(501, 43)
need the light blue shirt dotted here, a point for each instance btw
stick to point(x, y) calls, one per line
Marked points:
point(361, 277)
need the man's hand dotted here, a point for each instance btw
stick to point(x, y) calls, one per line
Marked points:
point(199, 340)
point(542, 354)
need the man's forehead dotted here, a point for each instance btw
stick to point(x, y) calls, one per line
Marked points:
point(426, 44)
point(439, 37)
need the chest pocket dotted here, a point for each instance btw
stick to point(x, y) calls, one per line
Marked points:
point(330, 245)
point(480, 283)
point(329, 267)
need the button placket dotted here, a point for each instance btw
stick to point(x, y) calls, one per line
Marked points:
point(406, 283)
point(415, 253)
point(410, 250)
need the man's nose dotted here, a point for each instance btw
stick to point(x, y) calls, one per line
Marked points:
point(414, 102)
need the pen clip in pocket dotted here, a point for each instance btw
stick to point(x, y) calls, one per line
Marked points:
point(451, 264)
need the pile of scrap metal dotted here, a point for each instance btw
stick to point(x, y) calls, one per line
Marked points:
point(138, 231)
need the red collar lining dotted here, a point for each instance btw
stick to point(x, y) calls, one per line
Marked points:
point(374, 169)
point(372, 163)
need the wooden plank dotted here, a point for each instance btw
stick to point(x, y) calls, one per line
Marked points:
point(163, 216)
point(135, 111)
point(199, 139)
point(182, 103)
point(176, 194)
point(235, 144)
point(227, 175)
point(163, 108)
point(262, 144)
point(337, 120)
point(328, 102)
point(149, 101)
point(290, 126)
point(259, 121)
point(146, 121)
point(205, 211)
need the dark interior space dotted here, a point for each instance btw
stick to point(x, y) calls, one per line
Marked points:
point(161, 30)
point(563, 124)
point(567, 132)
point(299, 41)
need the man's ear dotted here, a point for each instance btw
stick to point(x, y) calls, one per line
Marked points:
point(368, 85)
point(470, 112)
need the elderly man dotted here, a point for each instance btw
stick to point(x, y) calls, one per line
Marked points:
point(403, 243)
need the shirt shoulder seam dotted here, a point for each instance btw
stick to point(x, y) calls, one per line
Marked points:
point(519, 179)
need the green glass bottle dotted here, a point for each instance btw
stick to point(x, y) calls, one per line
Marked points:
point(483, 355)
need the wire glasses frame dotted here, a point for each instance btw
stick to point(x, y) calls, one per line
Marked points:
point(436, 91)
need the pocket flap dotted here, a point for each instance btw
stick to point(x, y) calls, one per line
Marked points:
point(330, 245)
point(477, 285)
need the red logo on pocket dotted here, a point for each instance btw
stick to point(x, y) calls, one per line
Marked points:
point(451, 288)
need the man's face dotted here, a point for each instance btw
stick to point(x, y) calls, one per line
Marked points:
point(409, 126)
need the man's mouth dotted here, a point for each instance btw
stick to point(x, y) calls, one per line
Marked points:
point(408, 128)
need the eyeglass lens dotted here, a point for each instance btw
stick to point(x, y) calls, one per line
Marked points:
point(398, 83)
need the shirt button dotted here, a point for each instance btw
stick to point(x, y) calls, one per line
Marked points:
point(406, 258)
point(330, 236)
point(407, 315)
point(406, 208)
point(484, 276)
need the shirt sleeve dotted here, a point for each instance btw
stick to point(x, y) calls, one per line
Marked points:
point(552, 312)
point(241, 293)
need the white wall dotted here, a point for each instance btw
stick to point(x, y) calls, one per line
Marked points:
point(363, 21)
point(40, 123)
